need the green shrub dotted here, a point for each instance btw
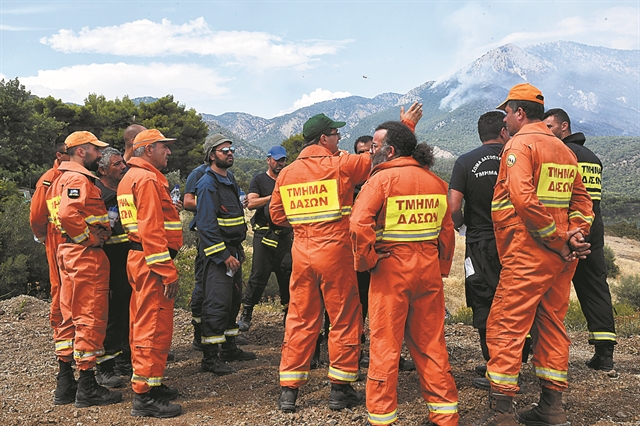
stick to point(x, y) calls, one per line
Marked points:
point(613, 270)
point(624, 229)
point(628, 290)
point(575, 320)
point(23, 262)
point(186, 276)
point(623, 309)
point(463, 315)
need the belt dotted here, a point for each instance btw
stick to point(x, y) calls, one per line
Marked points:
point(138, 247)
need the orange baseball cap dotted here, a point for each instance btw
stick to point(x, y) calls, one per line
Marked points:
point(81, 138)
point(523, 92)
point(147, 137)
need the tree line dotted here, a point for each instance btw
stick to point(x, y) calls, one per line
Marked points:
point(31, 126)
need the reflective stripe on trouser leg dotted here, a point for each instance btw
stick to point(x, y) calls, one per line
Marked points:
point(152, 324)
point(87, 275)
point(533, 295)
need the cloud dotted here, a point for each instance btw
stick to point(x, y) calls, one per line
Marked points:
point(27, 10)
point(190, 84)
point(12, 28)
point(145, 38)
point(318, 95)
point(616, 28)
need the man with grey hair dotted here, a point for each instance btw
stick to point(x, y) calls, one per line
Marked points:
point(111, 170)
point(153, 227)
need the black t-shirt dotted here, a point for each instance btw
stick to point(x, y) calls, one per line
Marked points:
point(474, 175)
point(263, 185)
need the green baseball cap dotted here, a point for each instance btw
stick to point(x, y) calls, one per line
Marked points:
point(319, 124)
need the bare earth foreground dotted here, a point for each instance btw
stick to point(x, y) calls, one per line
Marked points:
point(28, 368)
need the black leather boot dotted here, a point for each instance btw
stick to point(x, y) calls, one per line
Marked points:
point(90, 393)
point(211, 361)
point(231, 352)
point(67, 386)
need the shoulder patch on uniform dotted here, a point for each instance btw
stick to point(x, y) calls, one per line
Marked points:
point(46, 183)
point(73, 193)
point(511, 160)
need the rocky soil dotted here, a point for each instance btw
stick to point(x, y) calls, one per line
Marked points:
point(28, 368)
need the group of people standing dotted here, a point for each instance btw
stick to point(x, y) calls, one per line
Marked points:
point(341, 232)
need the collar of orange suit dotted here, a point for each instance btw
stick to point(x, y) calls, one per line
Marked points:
point(315, 151)
point(536, 127)
point(72, 166)
point(142, 164)
point(396, 162)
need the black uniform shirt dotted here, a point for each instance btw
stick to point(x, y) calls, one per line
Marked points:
point(474, 175)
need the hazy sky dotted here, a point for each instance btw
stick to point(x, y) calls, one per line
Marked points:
point(271, 57)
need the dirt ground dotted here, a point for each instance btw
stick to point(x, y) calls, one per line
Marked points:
point(247, 398)
point(28, 368)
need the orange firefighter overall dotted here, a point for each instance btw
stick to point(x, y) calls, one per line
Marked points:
point(538, 197)
point(314, 196)
point(155, 232)
point(84, 268)
point(402, 210)
point(41, 216)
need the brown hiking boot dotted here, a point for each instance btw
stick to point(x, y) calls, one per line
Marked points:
point(548, 412)
point(501, 410)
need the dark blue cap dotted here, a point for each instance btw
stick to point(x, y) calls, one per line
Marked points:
point(277, 152)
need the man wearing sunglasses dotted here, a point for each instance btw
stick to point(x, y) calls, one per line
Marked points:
point(314, 195)
point(222, 229)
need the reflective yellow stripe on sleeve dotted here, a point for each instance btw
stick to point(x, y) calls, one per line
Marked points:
point(497, 205)
point(172, 226)
point(216, 248)
point(152, 259)
point(231, 221)
point(574, 214)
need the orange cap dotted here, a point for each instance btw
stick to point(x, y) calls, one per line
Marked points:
point(82, 137)
point(147, 137)
point(523, 92)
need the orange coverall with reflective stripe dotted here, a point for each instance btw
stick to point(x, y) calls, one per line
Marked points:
point(314, 196)
point(45, 231)
point(84, 268)
point(538, 197)
point(150, 219)
point(402, 209)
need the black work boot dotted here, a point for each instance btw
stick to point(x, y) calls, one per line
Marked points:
point(406, 365)
point(602, 359)
point(152, 404)
point(244, 323)
point(344, 396)
point(90, 393)
point(165, 392)
point(231, 352)
point(211, 361)
point(106, 375)
point(501, 410)
point(197, 336)
point(287, 400)
point(123, 365)
point(548, 412)
point(67, 386)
